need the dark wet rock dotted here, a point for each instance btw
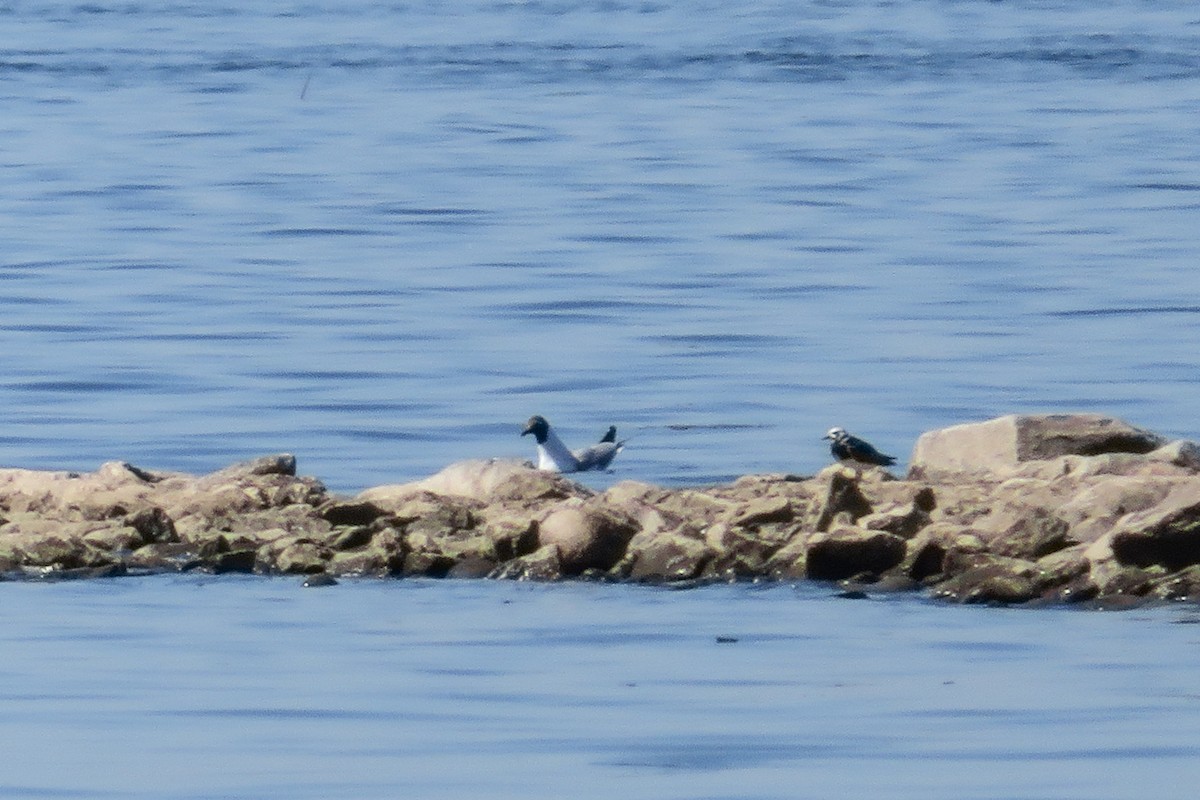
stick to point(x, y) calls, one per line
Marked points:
point(844, 552)
point(1081, 589)
point(938, 549)
point(1130, 581)
point(318, 581)
point(542, 565)
point(340, 513)
point(233, 561)
point(352, 538)
point(153, 525)
point(1182, 585)
point(511, 537)
point(1006, 581)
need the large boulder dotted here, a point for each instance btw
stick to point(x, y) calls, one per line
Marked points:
point(586, 535)
point(1007, 441)
point(484, 480)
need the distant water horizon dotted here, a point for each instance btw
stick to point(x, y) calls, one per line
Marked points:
point(381, 237)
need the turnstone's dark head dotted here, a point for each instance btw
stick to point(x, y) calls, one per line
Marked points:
point(538, 426)
point(835, 434)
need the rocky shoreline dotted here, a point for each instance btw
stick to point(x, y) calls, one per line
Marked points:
point(1018, 510)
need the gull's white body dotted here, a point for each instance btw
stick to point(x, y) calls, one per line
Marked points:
point(554, 456)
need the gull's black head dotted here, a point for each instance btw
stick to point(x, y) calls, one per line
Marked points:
point(538, 427)
point(610, 435)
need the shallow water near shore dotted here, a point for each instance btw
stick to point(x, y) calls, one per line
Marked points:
point(200, 687)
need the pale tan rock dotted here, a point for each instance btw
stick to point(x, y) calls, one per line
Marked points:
point(1007, 441)
point(488, 481)
point(668, 557)
point(586, 535)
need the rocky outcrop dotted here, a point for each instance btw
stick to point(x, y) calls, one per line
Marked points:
point(1061, 509)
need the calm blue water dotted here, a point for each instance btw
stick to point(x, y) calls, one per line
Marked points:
point(382, 235)
point(192, 687)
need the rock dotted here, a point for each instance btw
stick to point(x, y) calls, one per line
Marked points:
point(114, 538)
point(740, 552)
point(280, 464)
point(1007, 441)
point(1181, 453)
point(541, 565)
point(669, 557)
point(298, 556)
point(1167, 535)
point(764, 511)
point(844, 552)
point(940, 549)
point(381, 557)
point(587, 536)
point(341, 513)
point(352, 538)
point(843, 496)
point(488, 481)
point(1002, 581)
point(789, 562)
point(152, 524)
point(1026, 532)
point(161, 557)
point(1181, 585)
point(1097, 507)
point(903, 522)
point(315, 581)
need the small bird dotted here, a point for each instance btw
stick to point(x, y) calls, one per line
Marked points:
point(851, 448)
point(554, 456)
